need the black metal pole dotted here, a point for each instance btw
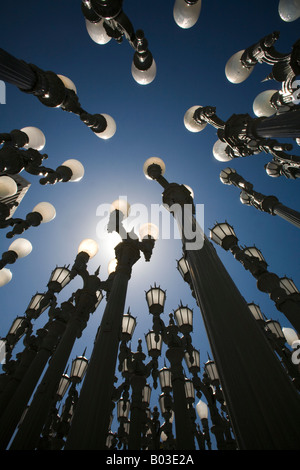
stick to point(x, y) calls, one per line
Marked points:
point(281, 125)
point(16, 72)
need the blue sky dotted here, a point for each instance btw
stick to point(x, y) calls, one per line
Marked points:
point(190, 71)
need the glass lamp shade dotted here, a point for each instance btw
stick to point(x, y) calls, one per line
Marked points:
point(16, 324)
point(219, 151)
point(123, 408)
point(153, 161)
point(211, 371)
point(34, 304)
point(146, 394)
point(77, 169)
point(165, 379)
point(112, 265)
point(262, 104)
point(99, 298)
point(193, 360)
point(63, 386)
point(220, 232)
point(97, 32)
point(148, 230)
point(186, 15)
point(144, 77)
point(121, 205)
point(290, 335)
point(202, 409)
point(189, 121)
point(37, 139)
point(79, 367)
point(275, 328)
point(110, 129)
point(154, 343)
point(182, 266)
point(256, 311)
point(21, 246)
point(60, 276)
point(254, 253)
point(184, 319)
point(165, 403)
point(46, 210)
point(8, 186)
point(89, 246)
point(289, 10)
point(189, 389)
point(225, 175)
point(234, 70)
point(128, 325)
point(68, 83)
point(288, 285)
point(5, 276)
point(156, 298)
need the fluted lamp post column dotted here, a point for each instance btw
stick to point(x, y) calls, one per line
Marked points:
point(90, 423)
point(242, 354)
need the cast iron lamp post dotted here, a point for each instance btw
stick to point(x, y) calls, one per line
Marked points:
point(252, 259)
point(90, 423)
point(242, 136)
point(186, 12)
point(268, 204)
point(52, 90)
point(242, 355)
point(105, 19)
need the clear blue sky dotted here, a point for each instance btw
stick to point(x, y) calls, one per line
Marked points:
point(190, 71)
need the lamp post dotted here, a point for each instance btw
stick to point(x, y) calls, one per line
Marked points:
point(268, 204)
point(52, 90)
point(94, 406)
point(252, 259)
point(238, 347)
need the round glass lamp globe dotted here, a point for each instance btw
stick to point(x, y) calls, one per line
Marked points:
point(110, 128)
point(21, 246)
point(46, 210)
point(97, 32)
point(234, 70)
point(202, 409)
point(289, 334)
point(149, 229)
point(68, 83)
point(219, 152)
point(37, 139)
point(112, 265)
point(89, 246)
point(289, 10)
point(262, 105)
point(153, 160)
point(5, 276)
point(190, 123)
point(8, 186)
point(186, 15)
point(120, 205)
point(77, 169)
point(144, 77)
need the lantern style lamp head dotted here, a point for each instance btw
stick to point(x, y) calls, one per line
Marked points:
point(78, 369)
point(186, 13)
point(219, 151)
point(165, 379)
point(5, 276)
point(262, 106)
point(235, 71)
point(77, 169)
point(288, 285)
point(97, 32)
point(224, 235)
point(156, 298)
point(289, 10)
point(154, 344)
point(128, 326)
point(183, 267)
point(256, 312)
point(192, 361)
point(37, 305)
point(254, 252)
point(275, 328)
point(63, 386)
point(189, 390)
point(36, 138)
point(123, 408)
point(154, 167)
point(211, 370)
point(184, 319)
point(190, 123)
point(8, 186)
point(19, 322)
point(60, 277)
point(146, 395)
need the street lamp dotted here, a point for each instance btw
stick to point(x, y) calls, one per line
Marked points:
point(186, 12)
point(17, 249)
point(289, 10)
point(229, 322)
